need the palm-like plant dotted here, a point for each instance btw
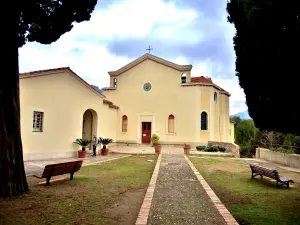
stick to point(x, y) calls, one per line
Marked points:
point(82, 142)
point(105, 141)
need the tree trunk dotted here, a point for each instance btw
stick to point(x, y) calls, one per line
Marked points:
point(12, 174)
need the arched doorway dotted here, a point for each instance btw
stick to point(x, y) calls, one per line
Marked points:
point(89, 125)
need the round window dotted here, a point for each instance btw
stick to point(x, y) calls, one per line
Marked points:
point(147, 86)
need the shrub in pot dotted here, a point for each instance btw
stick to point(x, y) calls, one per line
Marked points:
point(104, 142)
point(155, 143)
point(83, 143)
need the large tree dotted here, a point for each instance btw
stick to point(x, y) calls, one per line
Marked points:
point(267, 47)
point(43, 21)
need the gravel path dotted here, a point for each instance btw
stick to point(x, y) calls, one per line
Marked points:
point(179, 197)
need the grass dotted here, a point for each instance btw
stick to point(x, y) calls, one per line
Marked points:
point(251, 201)
point(99, 194)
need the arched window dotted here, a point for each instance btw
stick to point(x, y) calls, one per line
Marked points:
point(171, 124)
point(215, 97)
point(203, 121)
point(183, 78)
point(124, 123)
point(115, 82)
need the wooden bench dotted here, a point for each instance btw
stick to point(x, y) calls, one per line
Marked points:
point(59, 169)
point(273, 174)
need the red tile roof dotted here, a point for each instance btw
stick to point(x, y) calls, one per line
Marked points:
point(201, 79)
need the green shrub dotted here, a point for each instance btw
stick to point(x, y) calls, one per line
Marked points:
point(154, 139)
point(284, 150)
point(200, 148)
point(211, 149)
point(246, 151)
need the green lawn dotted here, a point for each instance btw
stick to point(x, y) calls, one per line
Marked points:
point(251, 201)
point(109, 193)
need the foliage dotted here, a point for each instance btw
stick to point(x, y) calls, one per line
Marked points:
point(105, 141)
point(266, 46)
point(82, 142)
point(211, 148)
point(284, 150)
point(46, 21)
point(269, 139)
point(245, 133)
point(247, 151)
point(236, 119)
point(289, 140)
point(200, 147)
point(155, 139)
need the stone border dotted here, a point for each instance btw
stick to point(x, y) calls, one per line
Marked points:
point(145, 208)
point(217, 202)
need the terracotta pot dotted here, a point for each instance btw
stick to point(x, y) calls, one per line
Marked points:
point(81, 154)
point(187, 151)
point(104, 151)
point(157, 148)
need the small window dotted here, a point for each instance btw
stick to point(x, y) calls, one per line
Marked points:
point(124, 123)
point(203, 121)
point(215, 97)
point(37, 121)
point(171, 124)
point(115, 82)
point(183, 78)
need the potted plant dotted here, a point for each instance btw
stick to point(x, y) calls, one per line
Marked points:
point(155, 143)
point(104, 142)
point(83, 143)
point(186, 148)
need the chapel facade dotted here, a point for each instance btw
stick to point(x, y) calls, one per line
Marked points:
point(157, 96)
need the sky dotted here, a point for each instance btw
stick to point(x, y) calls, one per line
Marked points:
point(182, 31)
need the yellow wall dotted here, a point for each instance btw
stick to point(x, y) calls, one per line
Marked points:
point(232, 137)
point(63, 100)
point(166, 97)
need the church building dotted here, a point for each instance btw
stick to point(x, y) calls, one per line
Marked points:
point(147, 96)
point(161, 97)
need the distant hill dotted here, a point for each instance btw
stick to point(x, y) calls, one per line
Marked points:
point(243, 115)
point(97, 88)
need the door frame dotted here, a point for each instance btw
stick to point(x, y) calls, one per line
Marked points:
point(142, 131)
point(141, 118)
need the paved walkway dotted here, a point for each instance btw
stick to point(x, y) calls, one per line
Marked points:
point(33, 167)
point(179, 198)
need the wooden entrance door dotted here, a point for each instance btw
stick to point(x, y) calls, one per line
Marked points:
point(146, 132)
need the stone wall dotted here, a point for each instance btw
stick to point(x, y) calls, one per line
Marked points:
point(292, 160)
point(230, 147)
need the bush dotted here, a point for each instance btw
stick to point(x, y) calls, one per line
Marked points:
point(200, 148)
point(154, 139)
point(246, 151)
point(211, 149)
point(285, 150)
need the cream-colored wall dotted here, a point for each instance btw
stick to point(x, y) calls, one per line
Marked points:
point(232, 138)
point(166, 97)
point(63, 100)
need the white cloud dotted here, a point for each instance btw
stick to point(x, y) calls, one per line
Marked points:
point(131, 18)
